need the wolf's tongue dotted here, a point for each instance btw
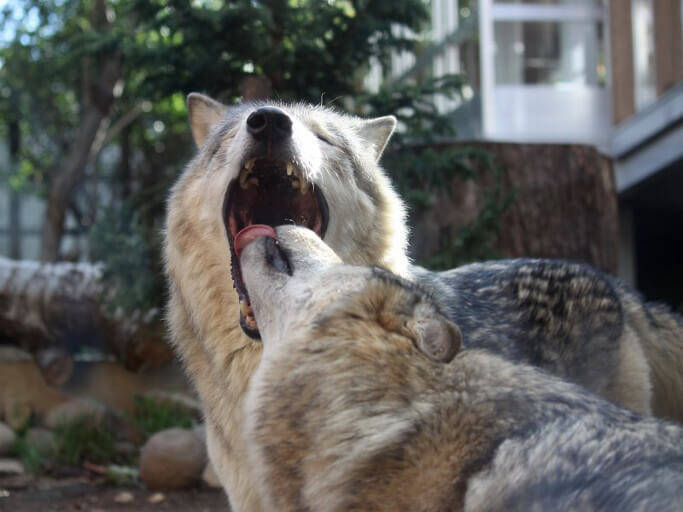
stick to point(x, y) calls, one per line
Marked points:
point(249, 234)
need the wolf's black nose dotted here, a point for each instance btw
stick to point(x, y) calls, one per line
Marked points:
point(269, 123)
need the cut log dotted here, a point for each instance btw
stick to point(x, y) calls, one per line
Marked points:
point(53, 310)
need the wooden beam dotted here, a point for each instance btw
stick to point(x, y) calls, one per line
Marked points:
point(621, 49)
point(668, 57)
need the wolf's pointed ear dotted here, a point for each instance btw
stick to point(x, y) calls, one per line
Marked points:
point(376, 133)
point(204, 113)
point(436, 337)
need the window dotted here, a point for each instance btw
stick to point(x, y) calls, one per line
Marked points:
point(546, 52)
point(543, 70)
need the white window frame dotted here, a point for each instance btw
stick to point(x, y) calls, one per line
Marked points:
point(491, 12)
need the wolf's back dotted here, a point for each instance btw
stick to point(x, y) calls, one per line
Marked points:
point(573, 321)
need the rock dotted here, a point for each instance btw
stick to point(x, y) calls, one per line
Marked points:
point(7, 439)
point(42, 439)
point(17, 414)
point(209, 477)
point(157, 497)
point(74, 410)
point(172, 458)
point(23, 388)
point(11, 467)
point(124, 497)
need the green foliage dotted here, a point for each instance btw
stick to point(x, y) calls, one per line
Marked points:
point(131, 268)
point(29, 455)
point(122, 475)
point(152, 415)
point(422, 163)
point(83, 440)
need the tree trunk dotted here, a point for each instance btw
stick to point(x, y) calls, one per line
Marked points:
point(98, 99)
point(55, 309)
point(565, 205)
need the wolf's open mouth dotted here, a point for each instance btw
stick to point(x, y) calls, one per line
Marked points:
point(269, 192)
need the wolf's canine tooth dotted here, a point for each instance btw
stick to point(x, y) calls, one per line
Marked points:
point(244, 307)
point(290, 168)
point(249, 164)
point(243, 176)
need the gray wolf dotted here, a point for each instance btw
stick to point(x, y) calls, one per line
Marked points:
point(359, 404)
point(278, 164)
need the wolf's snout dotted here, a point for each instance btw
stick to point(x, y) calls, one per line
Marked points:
point(269, 123)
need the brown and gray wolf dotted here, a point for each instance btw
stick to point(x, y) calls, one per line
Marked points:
point(361, 403)
point(280, 164)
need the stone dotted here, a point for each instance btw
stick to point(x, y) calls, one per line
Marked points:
point(124, 497)
point(157, 497)
point(42, 439)
point(23, 389)
point(7, 438)
point(209, 477)
point(74, 410)
point(172, 459)
point(11, 467)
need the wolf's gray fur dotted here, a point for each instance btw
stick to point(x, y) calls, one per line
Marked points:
point(346, 413)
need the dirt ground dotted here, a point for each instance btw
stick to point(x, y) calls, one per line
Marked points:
point(82, 494)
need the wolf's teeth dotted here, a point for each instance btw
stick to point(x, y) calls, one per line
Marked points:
point(253, 181)
point(243, 178)
point(304, 187)
point(296, 183)
point(249, 164)
point(244, 308)
point(290, 168)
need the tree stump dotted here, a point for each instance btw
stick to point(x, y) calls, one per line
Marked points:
point(565, 205)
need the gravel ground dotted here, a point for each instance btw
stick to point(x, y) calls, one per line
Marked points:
point(27, 494)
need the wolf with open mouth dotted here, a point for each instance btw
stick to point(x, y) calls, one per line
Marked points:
point(273, 164)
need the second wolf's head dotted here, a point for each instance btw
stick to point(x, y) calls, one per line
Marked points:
point(280, 164)
point(297, 283)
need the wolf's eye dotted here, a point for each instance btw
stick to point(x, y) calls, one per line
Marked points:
point(325, 140)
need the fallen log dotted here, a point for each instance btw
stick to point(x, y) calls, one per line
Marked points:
point(55, 310)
